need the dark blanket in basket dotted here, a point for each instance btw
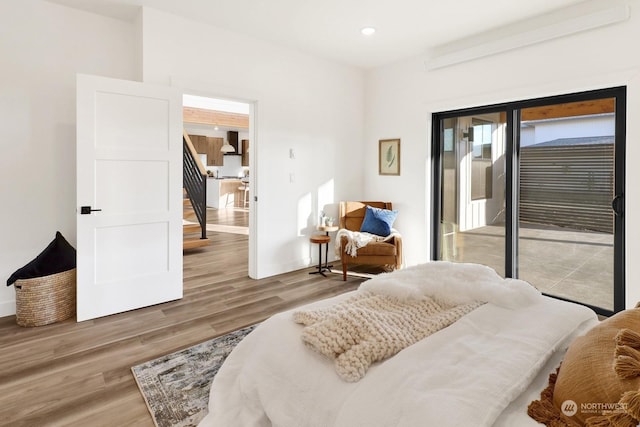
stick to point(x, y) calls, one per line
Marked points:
point(57, 257)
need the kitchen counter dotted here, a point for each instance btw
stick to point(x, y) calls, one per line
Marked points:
point(220, 178)
point(225, 192)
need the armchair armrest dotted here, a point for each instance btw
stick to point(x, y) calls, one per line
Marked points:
point(397, 240)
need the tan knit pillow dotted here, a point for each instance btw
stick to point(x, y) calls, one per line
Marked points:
point(598, 383)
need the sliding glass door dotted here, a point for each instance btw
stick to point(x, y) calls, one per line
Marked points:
point(534, 189)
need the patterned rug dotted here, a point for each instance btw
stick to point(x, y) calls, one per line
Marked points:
point(176, 386)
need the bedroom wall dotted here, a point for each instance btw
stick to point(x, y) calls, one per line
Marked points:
point(401, 97)
point(310, 105)
point(42, 47)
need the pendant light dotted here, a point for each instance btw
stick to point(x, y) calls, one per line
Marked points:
point(227, 148)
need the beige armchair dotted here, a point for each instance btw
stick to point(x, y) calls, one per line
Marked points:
point(387, 253)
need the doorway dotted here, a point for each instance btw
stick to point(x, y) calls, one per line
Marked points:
point(221, 133)
point(534, 189)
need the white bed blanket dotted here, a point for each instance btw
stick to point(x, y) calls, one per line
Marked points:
point(463, 375)
point(395, 310)
point(452, 284)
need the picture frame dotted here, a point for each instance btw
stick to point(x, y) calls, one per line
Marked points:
point(389, 157)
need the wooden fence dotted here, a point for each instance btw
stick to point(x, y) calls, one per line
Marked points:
point(568, 186)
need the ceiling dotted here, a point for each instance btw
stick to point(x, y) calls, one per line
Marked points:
point(331, 28)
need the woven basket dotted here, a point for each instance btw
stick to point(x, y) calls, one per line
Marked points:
point(44, 300)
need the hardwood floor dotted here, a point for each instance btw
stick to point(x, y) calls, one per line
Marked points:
point(78, 374)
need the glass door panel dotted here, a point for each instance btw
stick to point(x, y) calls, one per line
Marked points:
point(472, 220)
point(566, 187)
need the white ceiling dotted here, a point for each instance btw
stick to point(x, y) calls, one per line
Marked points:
point(331, 28)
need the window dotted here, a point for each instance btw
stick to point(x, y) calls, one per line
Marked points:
point(480, 137)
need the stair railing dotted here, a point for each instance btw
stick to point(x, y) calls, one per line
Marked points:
point(195, 182)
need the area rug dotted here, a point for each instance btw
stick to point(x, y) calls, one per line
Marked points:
point(176, 386)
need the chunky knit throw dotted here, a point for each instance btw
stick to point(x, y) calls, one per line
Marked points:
point(368, 328)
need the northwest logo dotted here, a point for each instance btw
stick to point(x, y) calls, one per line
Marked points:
point(569, 408)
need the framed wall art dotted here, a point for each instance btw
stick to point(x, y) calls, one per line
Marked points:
point(389, 157)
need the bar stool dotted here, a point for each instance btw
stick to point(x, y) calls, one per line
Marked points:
point(321, 240)
point(244, 187)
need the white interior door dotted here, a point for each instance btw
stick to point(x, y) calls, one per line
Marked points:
point(129, 172)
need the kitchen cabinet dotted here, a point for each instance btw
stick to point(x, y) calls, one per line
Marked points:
point(215, 157)
point(245, 152)
point(210, 146)
point(199, 143)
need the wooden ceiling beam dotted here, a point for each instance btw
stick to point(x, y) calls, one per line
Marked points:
point(571, 109)
point(215, 118)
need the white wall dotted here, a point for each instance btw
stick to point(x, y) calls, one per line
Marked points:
point(401, 98)
point(302, 103)
point(310, 105)
point(42, 47)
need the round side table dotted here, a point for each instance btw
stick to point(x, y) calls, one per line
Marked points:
point(327, 229)
point(321, 239)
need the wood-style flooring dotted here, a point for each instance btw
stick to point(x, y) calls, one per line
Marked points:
point(78, 374)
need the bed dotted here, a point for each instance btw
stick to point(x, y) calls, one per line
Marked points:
point(481, 370)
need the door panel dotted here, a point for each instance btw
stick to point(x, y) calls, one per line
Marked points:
point(566, 224)
point(131, 122)
point(473, 173)
point(129, 166)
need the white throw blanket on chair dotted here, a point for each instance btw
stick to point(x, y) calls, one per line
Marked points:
point(359, 239)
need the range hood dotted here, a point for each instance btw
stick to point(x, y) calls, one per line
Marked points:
point(232, 138)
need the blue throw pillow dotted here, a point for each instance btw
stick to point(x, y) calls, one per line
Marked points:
point(378, 221)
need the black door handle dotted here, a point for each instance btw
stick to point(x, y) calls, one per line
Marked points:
point(86, 210)
point(617, 204)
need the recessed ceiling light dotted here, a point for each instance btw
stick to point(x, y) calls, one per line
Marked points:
point(367, 31)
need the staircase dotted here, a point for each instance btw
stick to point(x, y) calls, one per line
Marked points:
point(191, 230)
point(194, 214)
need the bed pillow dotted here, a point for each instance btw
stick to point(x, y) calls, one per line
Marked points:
point(598, 382)
point(378, 221)
point(57, 257)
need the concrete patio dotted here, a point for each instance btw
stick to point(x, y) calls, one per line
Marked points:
point(573, 264)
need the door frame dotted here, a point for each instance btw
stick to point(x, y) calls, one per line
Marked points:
point(209, 90)
point(512, 153)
